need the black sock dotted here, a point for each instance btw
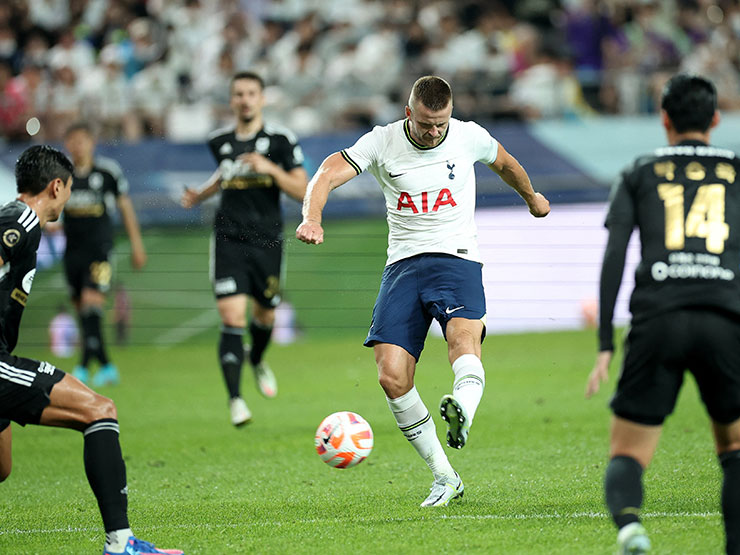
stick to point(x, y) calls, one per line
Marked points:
point(623, 486)
point(106, 472)
point(92, 336)
point(730, 462)
point(260, 339)
point(231, 357)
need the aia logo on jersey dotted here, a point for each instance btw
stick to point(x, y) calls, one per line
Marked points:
point(405, 200)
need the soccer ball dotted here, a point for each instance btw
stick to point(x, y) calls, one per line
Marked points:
point(343, 439)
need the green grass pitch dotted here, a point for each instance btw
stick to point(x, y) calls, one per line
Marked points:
point(533, 466)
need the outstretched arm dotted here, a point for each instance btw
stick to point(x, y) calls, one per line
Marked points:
point(191, 197)
point(333, 172)
point(510, 170)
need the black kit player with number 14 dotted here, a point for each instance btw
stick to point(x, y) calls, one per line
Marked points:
point(685, 201)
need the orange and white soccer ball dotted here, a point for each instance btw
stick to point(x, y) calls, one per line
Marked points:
point(343, 439)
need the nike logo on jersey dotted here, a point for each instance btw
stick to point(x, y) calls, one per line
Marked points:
point(449, 310)
point(395, 175)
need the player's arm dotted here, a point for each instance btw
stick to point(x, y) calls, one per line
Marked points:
point(333, 172)
point(292, 182)
point(192, 197)
point(620, 222)
point(513, 174)
point(131, 223)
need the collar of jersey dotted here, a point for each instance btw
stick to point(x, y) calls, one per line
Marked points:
point(692, 142)
point(407, 132)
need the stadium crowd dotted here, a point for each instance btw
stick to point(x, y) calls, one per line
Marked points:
point(161, 68)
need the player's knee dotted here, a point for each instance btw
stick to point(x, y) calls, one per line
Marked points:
point(394, 385)
point(102, 408)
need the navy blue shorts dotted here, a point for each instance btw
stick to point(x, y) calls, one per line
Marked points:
point(415, 290)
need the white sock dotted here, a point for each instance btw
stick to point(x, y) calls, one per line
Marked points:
point(115, 541)
point(417, 426)
point(470, 379)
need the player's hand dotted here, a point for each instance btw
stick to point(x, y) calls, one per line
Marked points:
point(189, 198)
point(258, 163)
point(599, 374)
point(138, 259)
point(310, 232)
point(540, 206)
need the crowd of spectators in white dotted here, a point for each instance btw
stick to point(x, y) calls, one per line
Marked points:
point(161, 68)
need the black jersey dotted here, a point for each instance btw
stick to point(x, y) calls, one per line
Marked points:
point(87, 215)
point(250, 202)
point(20, 235)
point(685, 201)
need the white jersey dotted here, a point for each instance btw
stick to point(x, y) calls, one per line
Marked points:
point(429, 191)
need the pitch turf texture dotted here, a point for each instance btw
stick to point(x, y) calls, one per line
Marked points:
point(533, 466)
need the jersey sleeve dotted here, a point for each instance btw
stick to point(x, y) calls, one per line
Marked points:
point(365, 151)
point(485, 147)
point(213, 145)
point(621, 205)
point(15, 237)
point(294, 153)
point(120, 183)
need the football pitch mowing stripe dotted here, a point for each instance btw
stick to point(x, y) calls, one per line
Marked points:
point(533, 467)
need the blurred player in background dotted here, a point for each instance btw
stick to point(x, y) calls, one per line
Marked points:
point(63, 333)
point(99, 187)
point(34, 392)
point(684, 200)
point(257, 162)
point(425, 166)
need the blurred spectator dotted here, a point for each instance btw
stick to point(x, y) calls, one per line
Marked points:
point(12, 105)
point(342, 63)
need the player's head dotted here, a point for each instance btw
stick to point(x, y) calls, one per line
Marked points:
point(247, 96)
point(43, 169)
point(429, 110)
point(79, 140)
point(690, 103)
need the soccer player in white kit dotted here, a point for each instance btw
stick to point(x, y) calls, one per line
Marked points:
point(424, 164)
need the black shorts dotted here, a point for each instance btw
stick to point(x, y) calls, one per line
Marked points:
point(659, 350)
point(87, 269)
point(25, 386)
point(240, 268)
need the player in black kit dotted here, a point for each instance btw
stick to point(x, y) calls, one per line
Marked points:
point(35, 392)
point(685, 201)
point(256, 163)
point(98, 187)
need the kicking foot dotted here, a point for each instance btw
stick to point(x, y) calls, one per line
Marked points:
point(458, 423)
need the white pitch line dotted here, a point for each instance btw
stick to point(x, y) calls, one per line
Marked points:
point(362, 520)
point(186, 330)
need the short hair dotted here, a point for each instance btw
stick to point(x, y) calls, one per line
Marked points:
point(433, 92)
point(79, 126)
point(251, 75)
point(39, 165)
point(690, 102)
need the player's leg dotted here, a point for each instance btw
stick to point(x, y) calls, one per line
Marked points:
point(727, 439)
point(6, 443)
point(464, 352)
point(632, 446)
point(75, 272)
point(73, 405)
point(260, 331)
point(396, 369)
point(232, 310)
point(92, 305)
